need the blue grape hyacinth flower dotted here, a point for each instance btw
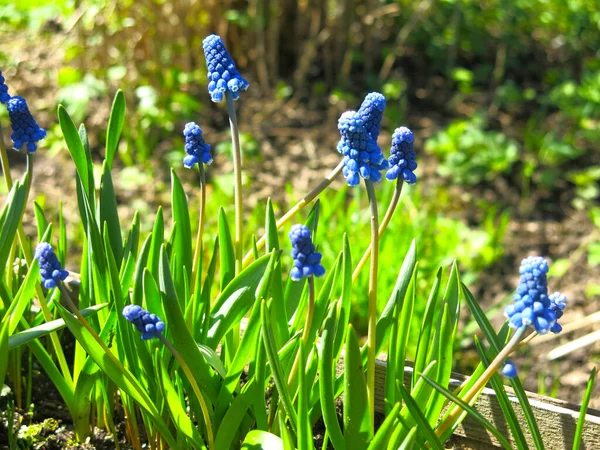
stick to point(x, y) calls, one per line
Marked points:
point(558, 303)
point(509, 370)
point(371, 112)
point(307, 261)
point(402, 156)
point(197, 150)
point(4, 96)
point(222, 74)
point(25, 128)
point(532, 305)
point(362, 156)
point(51, 270)
point(146, 323)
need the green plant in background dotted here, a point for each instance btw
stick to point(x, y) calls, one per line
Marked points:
point(469, 154)
point(203, 384)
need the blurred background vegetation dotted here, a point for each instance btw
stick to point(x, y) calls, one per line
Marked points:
point(503, 97)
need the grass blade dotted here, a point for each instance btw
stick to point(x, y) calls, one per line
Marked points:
point(582, 412)
point(115, 126)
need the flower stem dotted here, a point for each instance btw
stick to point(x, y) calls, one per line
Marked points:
point(481, 381)
point(382, 227)
point(195, 387)
point(372, 309)
point(310, 311)
point(27, 253)
point(237, 172)
point(297, 208)
point(200, 226)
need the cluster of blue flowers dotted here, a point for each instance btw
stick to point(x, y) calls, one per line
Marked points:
point(51, 270)
point(222, 74)
point(402, 156)
point(146, 323)
point(4, 96)
point(197, 150)
point(307, 261)
point(532, 305)
point(362, 155)
point(25, 128)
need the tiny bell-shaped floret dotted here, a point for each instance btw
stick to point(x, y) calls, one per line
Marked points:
point(532, 305)
point(222, 74)
point(307, 261)
point(51, 270)
point(146, 323)
point(25, 128)
point(509, 370)
point(4, 96)
point(197, 150)
point(402, 156)
point(558, 303)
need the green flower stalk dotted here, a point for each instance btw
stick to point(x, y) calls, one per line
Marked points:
point(225, 79)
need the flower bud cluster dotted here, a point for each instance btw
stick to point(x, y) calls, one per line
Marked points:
point(222, 74)
point(307, 261)
point(51, 270)
point(146, 323)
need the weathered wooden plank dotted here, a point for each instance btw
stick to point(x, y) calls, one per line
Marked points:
point(557, 419)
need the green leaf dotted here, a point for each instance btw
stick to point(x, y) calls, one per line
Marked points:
point(110, 215)
point(179, 333)
point(235, 301)
point(75, 147)
point(10, 217)
point(476, 415)
point(272, 242)
point(182, 245)
point(276, 369)
point(357, 420)
point(425, 429)
point(326, 381)
point(40, 219)
point(443, 344)
point(158, 238)
point(183, 423)
point(262, 440)
point(23, 298)
point(3, 350)
point(305, 438)
point(345, 299)
point(381, 438)
point(233, 417)
point(116, 372)
point(286, 435)
point(115, 126)
point(424, 344)
point(26, 336)
point(227, 260)
point(496, 344)
point(248, 344)
point(503, 401)
point(213, 359)
point(83, 137)
point(582, 412)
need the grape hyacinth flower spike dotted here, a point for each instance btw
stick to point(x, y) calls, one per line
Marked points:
point(362, 156)
point(4, 96)
point(307, 261)
point(146, 323)
point(51, 270)
point(402, 156)
point(558, 303)
point(222, 74)
point(197, 150)
point(25, 128)
point(532, 305)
